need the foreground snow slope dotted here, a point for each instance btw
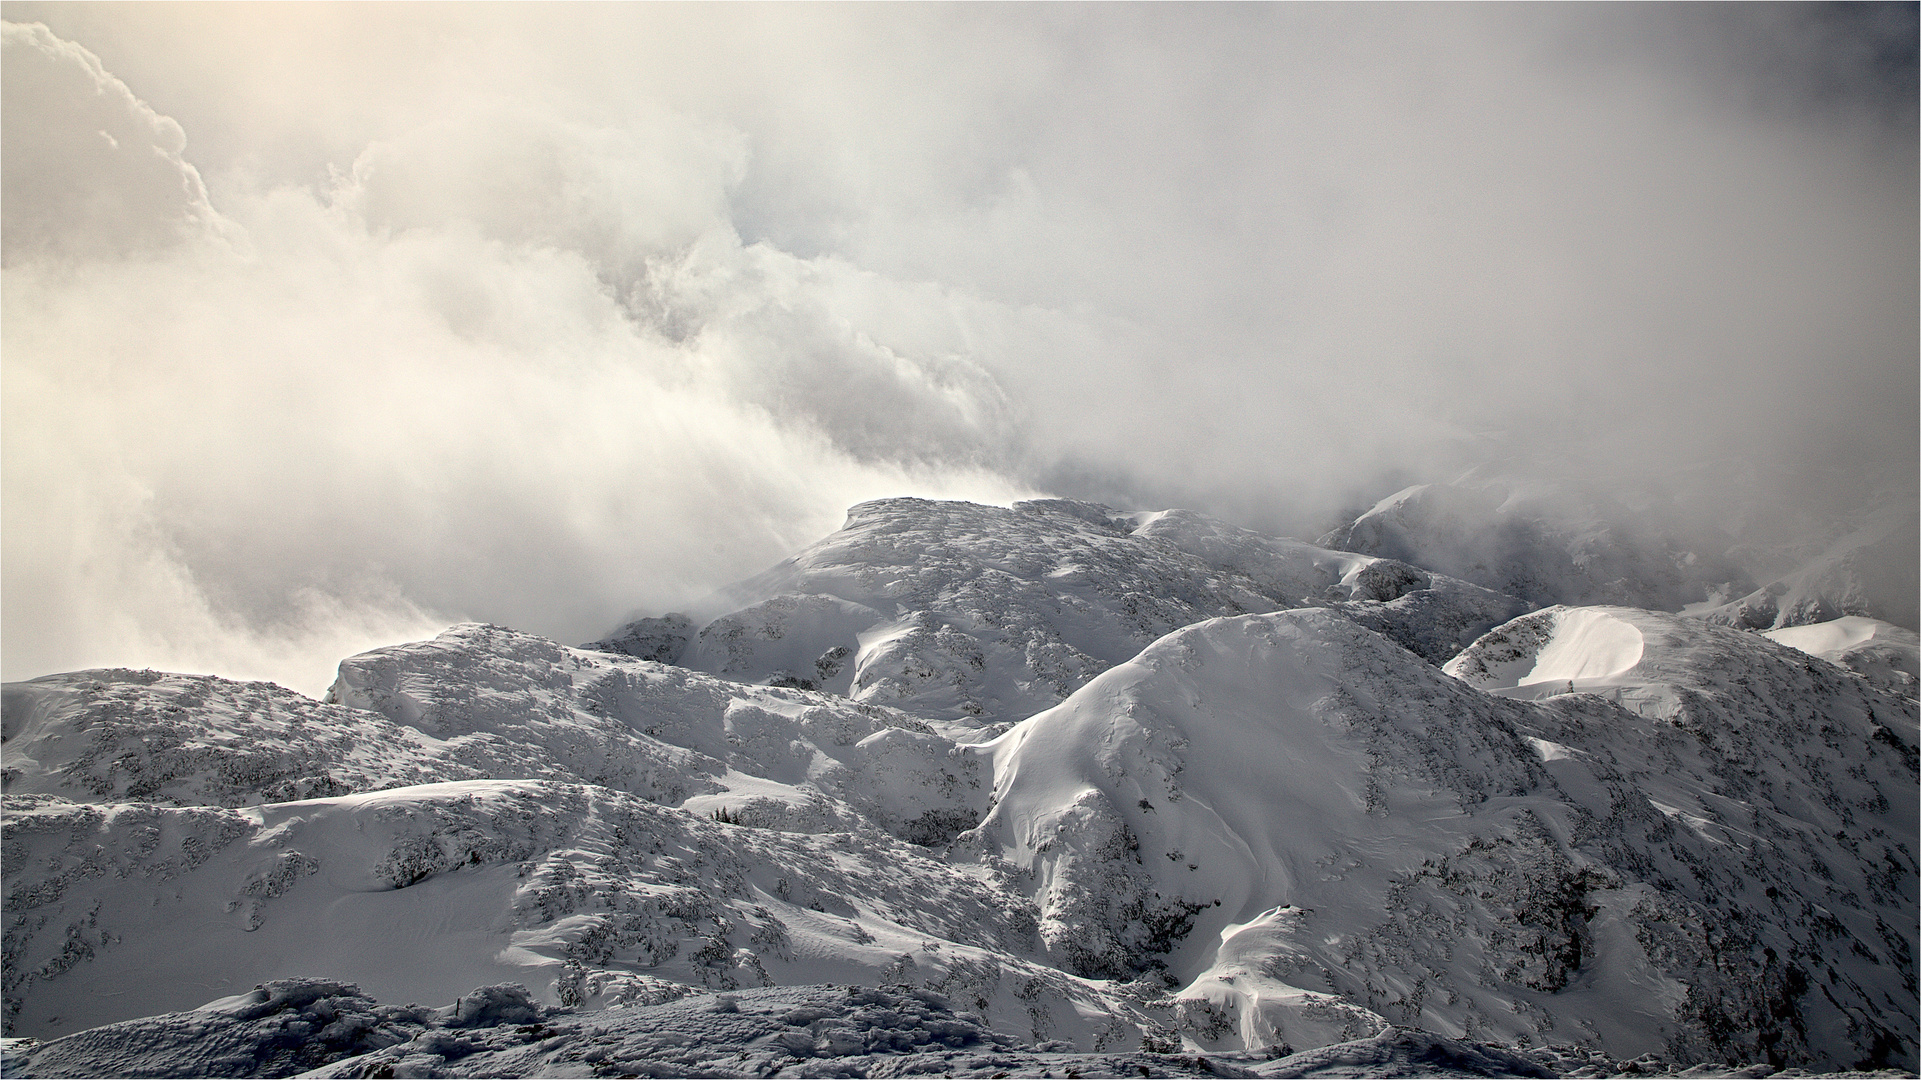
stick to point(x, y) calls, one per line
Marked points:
point(334, 1030)
point(983, 615)
point(587, 895)
point(1714, 858)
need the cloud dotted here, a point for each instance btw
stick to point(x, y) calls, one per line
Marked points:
point(89, 169)
point(364, 414)
point(547, 315)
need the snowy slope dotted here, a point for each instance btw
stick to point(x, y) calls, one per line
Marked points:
point(983, 615)
point(1887, 655)
point(1349, 831)
point(588, 896)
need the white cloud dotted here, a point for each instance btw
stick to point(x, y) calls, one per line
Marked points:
point(381, 411)
point(548, 314)
point(89, 169)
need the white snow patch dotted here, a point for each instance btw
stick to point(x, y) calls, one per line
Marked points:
point(1549, 751)
point(1588, 643)
point(1828, 638)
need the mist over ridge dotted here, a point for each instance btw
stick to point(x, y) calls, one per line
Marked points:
point(329, 326)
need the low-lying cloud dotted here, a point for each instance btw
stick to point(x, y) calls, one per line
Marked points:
point(547, 316)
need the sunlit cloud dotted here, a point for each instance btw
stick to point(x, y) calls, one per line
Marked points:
point(328, 324)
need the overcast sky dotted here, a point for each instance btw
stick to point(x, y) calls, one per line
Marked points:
point(327, 325)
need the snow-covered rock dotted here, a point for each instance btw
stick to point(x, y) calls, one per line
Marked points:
point(1430, 614)
point(285, 1026)
point(663, 640)
point(1708, 851)
point(1887, 655)
point(479, 702)
point(589, 896)
point(1406, 1053)
point(785, 758)
point(982, 615)
point(196, 740)
point(280, 1028)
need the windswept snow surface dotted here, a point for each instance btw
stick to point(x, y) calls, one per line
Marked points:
point(590, 896)
point(1280, 839)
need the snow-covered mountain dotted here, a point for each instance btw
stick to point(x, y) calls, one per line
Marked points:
point(482, 702)
point(984, 615)
point(1868, 569)
point(1542, 544)
point(1049, 787)
point(1665, 831)
point(1549, 545)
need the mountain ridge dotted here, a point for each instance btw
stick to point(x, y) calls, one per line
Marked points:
point(1325, 823)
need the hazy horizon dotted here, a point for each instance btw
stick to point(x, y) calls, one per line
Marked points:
point(329, 324)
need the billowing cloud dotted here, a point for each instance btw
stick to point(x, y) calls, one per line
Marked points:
point(356, 414)
point(89, 169)
point(551, 314)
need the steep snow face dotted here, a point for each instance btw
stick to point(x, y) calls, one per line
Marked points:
point(591, 897)
point(1538, 544)
point(1713, 858)
point(1240, 766)
point(1556, 651)
point(981, 616)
